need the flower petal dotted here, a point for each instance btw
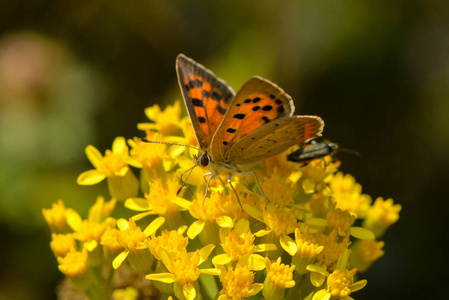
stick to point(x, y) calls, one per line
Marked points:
point(258, 262)
point(221, 259)
point(119, 259)
point(356, 286)
point(317, 269)
point(265, 247)
point(253, 212)
point(255, 288)
point(321, 295)
point(162, 277)
point(181, 202)
point(205, 252)
point(317, 279)
point(142, 215)
point(119, 145)
point(242, 226)
point(154, 226)
point(90, 177)
point(195, 229)
point(94, 156)
point(262, 232)
point(90, 245)
point(211, 271)
point(224, 222)
point(288, 244)
point(122, 224)
point(189, 291)
point(362, 233)
point(137, 204)
point(74, 220)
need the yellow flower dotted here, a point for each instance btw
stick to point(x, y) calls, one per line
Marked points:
point(239, 242)
point(114, 166)
point(183, 271)
point(280, 165)
point(279, 189)
point(318, 204)
point(364, 253)
point(238, 283)
point(132, 239)
point(61, 244)
point(74, 266)
point(381, 216)
point(348, 194)
point(279, 277)
point(56, 218)
point(217, 211)
point(340, 220)
point(339, 284)
point(111, 246)
point(280, 223)
point(89, 233)
point(313, 203)
point(162, 200)
point(166, 122)
point(333, 245)
point(173, 241)
point(101, 210)
point(154, 158)
point(307, 250)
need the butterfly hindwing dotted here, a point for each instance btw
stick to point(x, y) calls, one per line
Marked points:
point(206, 97)
point(256, 104)
point(274, 138)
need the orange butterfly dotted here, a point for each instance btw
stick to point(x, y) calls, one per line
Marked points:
point(238, 129)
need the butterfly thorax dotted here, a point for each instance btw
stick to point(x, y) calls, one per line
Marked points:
point(205, 160)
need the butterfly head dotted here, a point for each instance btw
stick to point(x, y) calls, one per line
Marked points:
point(204, 159)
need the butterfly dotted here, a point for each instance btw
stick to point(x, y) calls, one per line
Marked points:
point(304, 155)
point(235, 129)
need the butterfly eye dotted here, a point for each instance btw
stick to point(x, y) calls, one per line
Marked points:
point(204, 159)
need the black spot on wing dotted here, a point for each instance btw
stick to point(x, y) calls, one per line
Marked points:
point(280, 109)
point(225, 143)
point(215, 96)
point(202, 119)
point(256, 108)
point(197, 102)
point(221, 109)
point(231, 130)
point(266, 119)
point(267, 108)
point(278, 101)
point(257, 99)
point(247, 101)
point(195, 83)
point(239, 116)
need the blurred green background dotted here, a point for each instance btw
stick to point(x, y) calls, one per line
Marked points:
point(74, 73)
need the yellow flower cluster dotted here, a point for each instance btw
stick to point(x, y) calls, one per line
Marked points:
point(234, 244)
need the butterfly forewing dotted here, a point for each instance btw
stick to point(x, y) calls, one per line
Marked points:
point(258, 103)
point(274, 138)
point(206, 97)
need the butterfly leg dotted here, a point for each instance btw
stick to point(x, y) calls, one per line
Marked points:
point(257, 182)
point(235, 192)
point(207, 183)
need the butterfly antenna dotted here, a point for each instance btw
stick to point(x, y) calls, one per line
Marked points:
point(184, 182)
point(167, 143)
